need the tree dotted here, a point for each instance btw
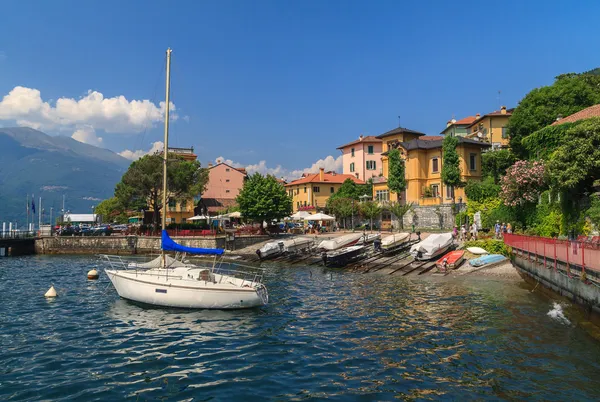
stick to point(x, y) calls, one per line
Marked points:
point(495, 163)
point(399, 210)
point(397, 174)
point(263, 198)
point(111, 210)
point(569, 94)
point(370, 210)
point(482, 190)
point(349, 189)
point(142, 183)
point(523, 183)
point(451, 167)
point(342, 208)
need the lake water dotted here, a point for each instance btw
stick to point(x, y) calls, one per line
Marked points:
point(326, 334)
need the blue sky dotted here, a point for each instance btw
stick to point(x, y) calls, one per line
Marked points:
point(284, 82)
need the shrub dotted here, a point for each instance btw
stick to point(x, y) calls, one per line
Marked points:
point(491, 246)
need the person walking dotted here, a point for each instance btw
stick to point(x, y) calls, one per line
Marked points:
point(474, 231)
point(497, 230)
point(463, 233)
point(508, 228)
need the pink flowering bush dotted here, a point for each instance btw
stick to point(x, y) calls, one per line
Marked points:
point(523, 183)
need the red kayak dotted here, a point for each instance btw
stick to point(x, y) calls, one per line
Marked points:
point(450, 260)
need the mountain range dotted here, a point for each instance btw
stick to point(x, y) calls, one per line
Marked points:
point(34, 163)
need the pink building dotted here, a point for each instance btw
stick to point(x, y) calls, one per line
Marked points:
point(224, 185)
point(362, 158)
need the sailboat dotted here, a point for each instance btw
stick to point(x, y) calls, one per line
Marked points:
point(169, 282)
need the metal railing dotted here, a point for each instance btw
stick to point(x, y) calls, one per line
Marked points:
point(550, 251)
point(17, 234)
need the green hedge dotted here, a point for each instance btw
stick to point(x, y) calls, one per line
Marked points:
point(491, 246)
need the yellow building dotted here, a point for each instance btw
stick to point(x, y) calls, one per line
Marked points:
point(491, 128)
point(312, 191)
point(423, 165)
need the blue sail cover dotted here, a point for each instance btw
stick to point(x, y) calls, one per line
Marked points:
point(169, 245)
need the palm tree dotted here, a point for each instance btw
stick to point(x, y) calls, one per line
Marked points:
point(400, 210)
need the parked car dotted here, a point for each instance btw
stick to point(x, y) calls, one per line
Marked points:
point(102, 230)
point(120, 228)
point(86, 231)
point(69, 231)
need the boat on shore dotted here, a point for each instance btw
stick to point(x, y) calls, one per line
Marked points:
point(477, 250)
point(450, 260)
point(369, 238)
point(343, 256)
point(432, 247)
point(275, 248)
point(340, 242)
point(487, 260)
point(394, 241)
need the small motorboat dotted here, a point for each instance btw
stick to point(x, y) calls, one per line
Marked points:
point(340, 242)
point(275, 248)
point(369, 238)
point(394, 241)
point(343, 256)
point(476, 250)
point(450, 260)
point(487, 260)
point(432, 247)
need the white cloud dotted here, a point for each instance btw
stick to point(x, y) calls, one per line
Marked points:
point(113, 115)
point(87, 135)
point(328, 163)
point(157, 146)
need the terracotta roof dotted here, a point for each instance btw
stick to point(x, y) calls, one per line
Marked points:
point(587, 113)
point(492, 114)
point(432, 138)
point(241, 169)
point(329, 177)
point(399, 130)
point(368, 138)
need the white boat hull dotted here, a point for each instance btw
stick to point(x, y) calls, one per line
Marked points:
point(433, 246)
point(182, 289)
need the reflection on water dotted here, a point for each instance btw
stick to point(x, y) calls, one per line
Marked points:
point(326, 334)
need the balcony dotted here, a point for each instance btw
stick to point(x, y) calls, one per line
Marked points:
point(427, 201)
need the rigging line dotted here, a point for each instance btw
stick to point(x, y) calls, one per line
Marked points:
point(147, 124)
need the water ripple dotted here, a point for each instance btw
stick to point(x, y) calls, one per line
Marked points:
point(326, 334)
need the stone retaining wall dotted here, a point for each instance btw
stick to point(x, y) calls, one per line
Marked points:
point(132, 244)
point(430, 217)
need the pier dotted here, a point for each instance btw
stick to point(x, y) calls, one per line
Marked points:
point(13, 243)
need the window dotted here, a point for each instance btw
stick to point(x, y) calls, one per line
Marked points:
point(183, 220)
point(370, 149)
point(371, 165)
point(304, 203)
point(472, 162)
point(435, 168)
point(449, 192)
point(435, 190)
point(297, 191)
point(304, 189)
point(183, 204)
point(382, 195)
point(226, 191)
point(291, 193)
point(352, 152)
point(504, 132)
point(298, 204)
point(352, 166)
point(317, 189)
point(172, 204)
point(226, 180)
point(332, 190)
point(227, 169)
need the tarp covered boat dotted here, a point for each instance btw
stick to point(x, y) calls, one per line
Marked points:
point(339, 242)
point(369, 238)
point(432, 246)
point(395, 240)
point(487, 260)
point(450, 260)
point(275, 248)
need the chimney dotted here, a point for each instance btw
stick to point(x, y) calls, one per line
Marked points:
point(321, 174)
point(210, 164)
point(477, 116)
point(360, 138)
point(558, 117)
point(502, 109)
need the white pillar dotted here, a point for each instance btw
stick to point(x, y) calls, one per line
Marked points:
point(10, 228)
point(3, 229)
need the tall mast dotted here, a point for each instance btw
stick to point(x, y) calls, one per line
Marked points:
point(165, 151)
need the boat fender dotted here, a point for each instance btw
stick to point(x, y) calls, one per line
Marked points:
point(92, 274)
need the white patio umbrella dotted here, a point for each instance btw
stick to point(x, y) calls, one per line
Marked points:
point(235, 214)
point(319, 217)
point(300, 215)
point(198, 218)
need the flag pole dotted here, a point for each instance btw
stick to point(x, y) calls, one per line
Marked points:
point(27, 211)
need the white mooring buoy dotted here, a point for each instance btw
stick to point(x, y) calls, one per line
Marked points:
point(51, 292)
point(93, 274)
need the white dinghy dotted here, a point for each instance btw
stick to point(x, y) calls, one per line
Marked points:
point(395, 240)
point(275, 248)
point(339, 242)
